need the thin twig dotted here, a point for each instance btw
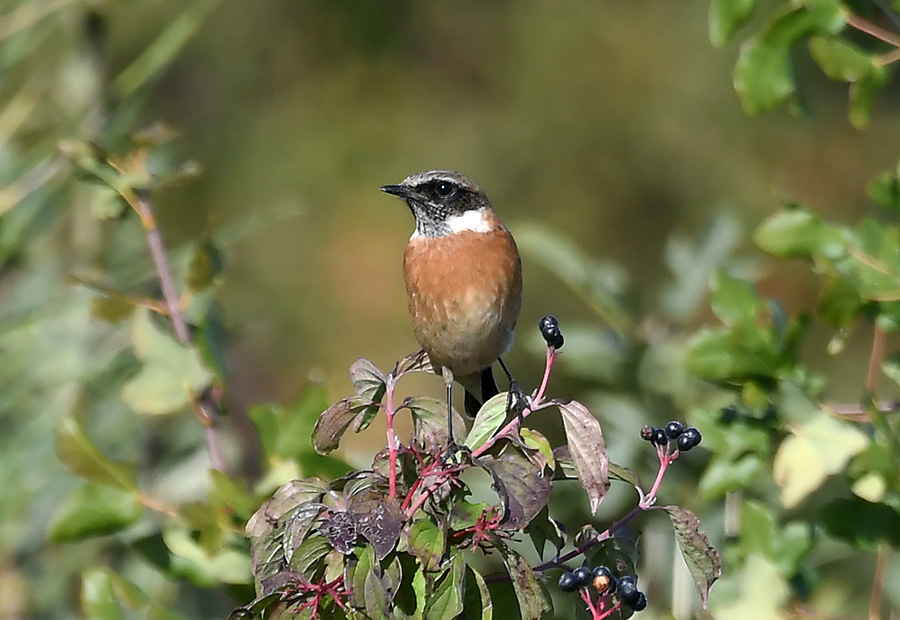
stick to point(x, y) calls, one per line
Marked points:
point(203, 404)
point(871, 29)
point(878, 583)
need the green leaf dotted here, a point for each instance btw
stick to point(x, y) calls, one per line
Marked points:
point(703, 561)
point(205, 267)
point(885, 190)
point(94, 510)
point(797, 232)
point(172, 374)
point(488, 421)
point(429, 417)
point(723, 475)
point(861, 95)
point(83, 458)
point(446, 602)
point(487, 605)
point(537, 442)
point(862, 524)
point(587, 449)
point(816, 449)
point(762, 592)
point(733, 300)
point(533, 598)
point(839, 59)
point(98, 599)
point(204, 569)
point(763, 76)
point(357, 573)
point(725, 17)
point(425, 540)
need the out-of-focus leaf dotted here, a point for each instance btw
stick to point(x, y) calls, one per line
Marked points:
point(82, 457)
point(98, 598)
point(534, 601)
point(785, 545)
point(885, 190)
point(724, 475)
point(206, 266)
point(703, 561)
point(798, 233)
point(112, 309)
point(94, 510)
point(840, 59)
point(861, 95)
point(762, 593)
point(733, 300)
point(588, 450)
point(816, 449)
point(725, 17)
point(602, 286)
point(862, 524)
point(172, 374)
point(763, 76)
point(224, 566)
point(488, 421)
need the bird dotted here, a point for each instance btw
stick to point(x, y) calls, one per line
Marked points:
point(463, 277)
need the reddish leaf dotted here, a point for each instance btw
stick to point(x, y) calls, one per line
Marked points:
point(522, 488)
point(587, 448)
point(334, 421)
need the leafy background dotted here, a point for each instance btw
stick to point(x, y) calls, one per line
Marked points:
point(608, 136)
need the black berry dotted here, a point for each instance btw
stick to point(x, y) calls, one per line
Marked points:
point(660, 438)
point(549, 327)
point(547, 322)
point(688, 439)
point(674, 429)
point(648, 433)
point(627, 588)
point(568, 582)
point(582, 576)
point(639, 603)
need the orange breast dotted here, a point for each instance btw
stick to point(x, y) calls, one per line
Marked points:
point(465, 292)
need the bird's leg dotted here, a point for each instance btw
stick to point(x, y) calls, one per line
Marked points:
point(448, 380)
point(515, 398)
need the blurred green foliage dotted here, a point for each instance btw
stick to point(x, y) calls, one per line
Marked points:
point(608, 126)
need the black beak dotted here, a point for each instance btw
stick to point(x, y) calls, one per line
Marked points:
point(396, 190)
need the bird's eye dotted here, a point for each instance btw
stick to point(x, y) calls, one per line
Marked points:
point(444, 189)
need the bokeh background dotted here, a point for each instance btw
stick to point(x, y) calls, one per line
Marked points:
point(611, 125)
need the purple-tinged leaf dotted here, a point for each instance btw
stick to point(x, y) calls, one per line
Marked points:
point(285, 500)
point(703, 561)
point(341, 531)
point(533, 598)
point(378, 518)
point(587, 448)
point(334, 421)
point(429, 416)
point(415, 362)
point(522, 487)
point(367, 379)
point(298, 525)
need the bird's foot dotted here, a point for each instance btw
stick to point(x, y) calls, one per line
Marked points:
point(516, 402)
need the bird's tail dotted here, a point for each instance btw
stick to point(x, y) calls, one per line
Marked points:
point(479, 388)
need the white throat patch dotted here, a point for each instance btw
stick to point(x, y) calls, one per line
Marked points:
point(473, 220)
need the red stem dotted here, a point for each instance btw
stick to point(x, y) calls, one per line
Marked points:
point(391, 436)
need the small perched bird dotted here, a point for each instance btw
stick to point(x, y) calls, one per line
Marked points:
point(463, 276)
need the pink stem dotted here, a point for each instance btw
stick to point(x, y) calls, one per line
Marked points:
point(391, 437)
point(533, 406)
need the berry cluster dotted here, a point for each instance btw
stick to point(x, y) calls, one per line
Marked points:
point(684, 438)
point(603, 581)
point(549, 326)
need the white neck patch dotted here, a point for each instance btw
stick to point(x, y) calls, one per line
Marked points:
point(473, 220)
